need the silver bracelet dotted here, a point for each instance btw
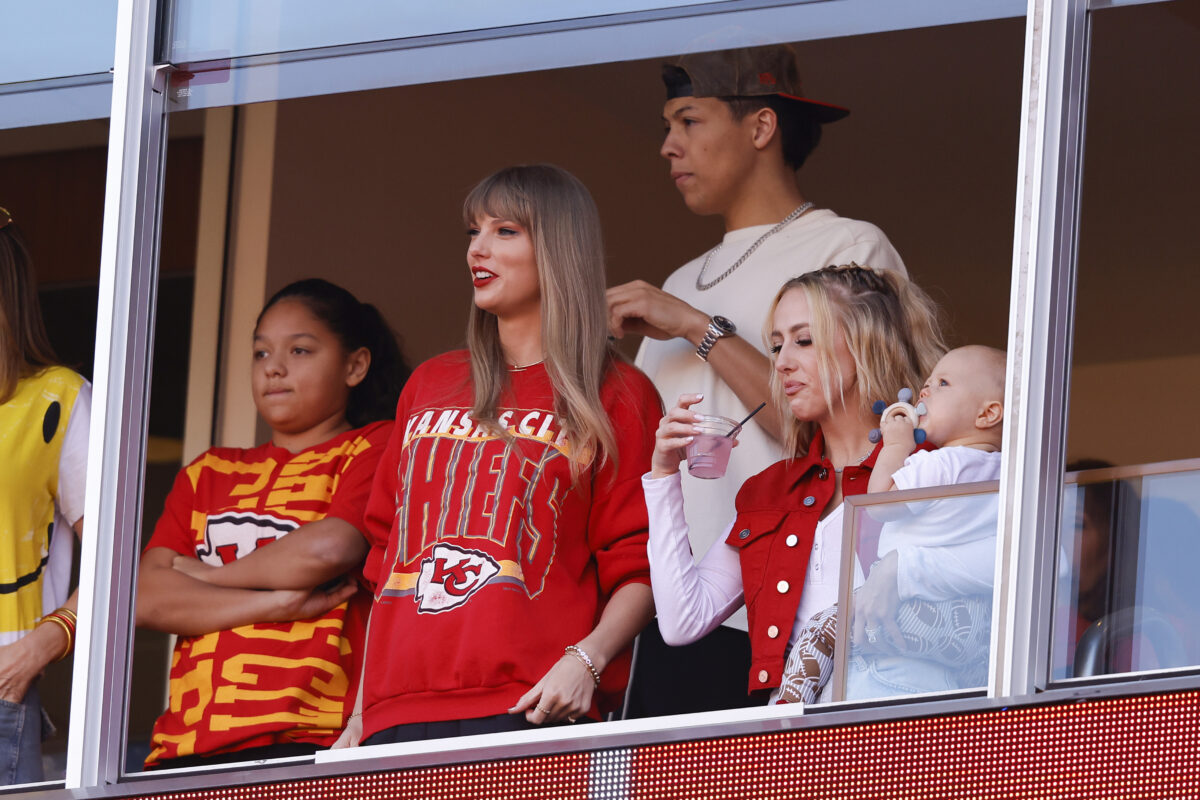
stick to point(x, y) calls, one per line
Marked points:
point(584, 659)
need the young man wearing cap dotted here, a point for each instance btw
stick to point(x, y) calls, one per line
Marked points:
point(737, 128)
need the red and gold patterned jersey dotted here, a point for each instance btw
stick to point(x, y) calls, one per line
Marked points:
point(268, 683)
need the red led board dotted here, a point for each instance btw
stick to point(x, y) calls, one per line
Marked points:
point(1145, 747)
point(564, 776)
point(1141, 747)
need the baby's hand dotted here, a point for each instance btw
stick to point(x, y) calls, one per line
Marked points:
point(898, 432)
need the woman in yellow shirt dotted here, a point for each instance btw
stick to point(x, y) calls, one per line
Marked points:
point(44, 411)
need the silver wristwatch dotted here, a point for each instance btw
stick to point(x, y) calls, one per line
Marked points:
point(718, 328)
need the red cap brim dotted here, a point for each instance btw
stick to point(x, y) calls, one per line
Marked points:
point(824, 112)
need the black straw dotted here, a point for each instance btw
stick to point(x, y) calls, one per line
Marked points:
point(761, 406)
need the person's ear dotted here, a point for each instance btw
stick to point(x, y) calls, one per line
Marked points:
point(765, 127)
point(357, 365)
point(990, 415)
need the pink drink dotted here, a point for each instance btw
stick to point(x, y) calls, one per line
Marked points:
point(708, 453)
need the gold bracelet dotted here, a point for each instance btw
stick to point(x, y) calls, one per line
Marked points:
point(67, 618)
point(67, 628)
point(584, 659)
point(70, 628)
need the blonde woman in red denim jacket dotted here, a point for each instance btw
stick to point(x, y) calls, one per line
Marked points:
point(841, 338)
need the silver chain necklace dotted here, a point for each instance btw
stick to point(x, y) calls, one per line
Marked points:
point(703, 287)
point(865, 455)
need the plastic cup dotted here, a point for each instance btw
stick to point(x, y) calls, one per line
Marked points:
point(708, 452)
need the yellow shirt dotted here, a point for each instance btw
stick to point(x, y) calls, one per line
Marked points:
point(33, 426)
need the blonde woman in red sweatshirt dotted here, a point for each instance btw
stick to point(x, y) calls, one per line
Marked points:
point(506, 523)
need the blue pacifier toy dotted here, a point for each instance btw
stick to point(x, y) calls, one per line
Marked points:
point(905, 407)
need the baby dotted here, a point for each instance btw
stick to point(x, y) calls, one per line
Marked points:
point(938, 558)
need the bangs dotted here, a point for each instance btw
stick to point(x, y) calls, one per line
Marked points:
point(500, 196)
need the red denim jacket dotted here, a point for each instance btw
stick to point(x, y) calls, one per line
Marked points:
point(777, 514)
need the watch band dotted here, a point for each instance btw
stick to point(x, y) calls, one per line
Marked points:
point(714, 332)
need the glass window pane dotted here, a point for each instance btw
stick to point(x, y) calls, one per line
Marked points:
point(919, 619)
point(168, 392)
point(379, 210)
point(52, 180)
point(56, 39)
point(202, 31)
point(205, 30)
point(1129, 601)
point(1136, 285)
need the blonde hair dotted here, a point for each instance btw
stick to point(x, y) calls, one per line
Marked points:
point(562, 220)
point(891, 329)
point(24, 347)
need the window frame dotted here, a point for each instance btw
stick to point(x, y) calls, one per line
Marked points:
point(567, 43)
point(48, 102)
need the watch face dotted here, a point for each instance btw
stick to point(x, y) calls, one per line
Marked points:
point(725, 325)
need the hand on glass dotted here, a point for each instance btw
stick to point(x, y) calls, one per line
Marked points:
point(875, 606)
point(675, 431)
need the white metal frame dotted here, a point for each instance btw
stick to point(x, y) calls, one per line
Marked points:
point(1039, 345)
point(116, 466)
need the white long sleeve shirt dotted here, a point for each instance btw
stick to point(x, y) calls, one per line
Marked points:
point(691, 598)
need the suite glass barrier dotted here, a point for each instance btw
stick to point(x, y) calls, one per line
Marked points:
point(1127, 598)
point(353, 187)
point(56, 39)
point(56, 61)
point(1136, 278)
point(1125, 533)
point(236, 52)
point(915, 615)
point(203, 30)
point(52, 186)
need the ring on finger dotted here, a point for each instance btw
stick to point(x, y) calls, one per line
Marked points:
point(543, 710)
point(571, 720)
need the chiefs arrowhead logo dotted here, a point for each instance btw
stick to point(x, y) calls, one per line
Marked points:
point(450, 576)
point(236, 534)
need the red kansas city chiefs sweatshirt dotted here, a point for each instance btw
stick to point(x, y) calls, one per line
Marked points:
point(487, 559)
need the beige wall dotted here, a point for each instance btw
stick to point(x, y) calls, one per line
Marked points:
point(368, 186)
point(367, 189)
point(1135, 412)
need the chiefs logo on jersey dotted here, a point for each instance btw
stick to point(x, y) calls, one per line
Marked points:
point(450, 576)
point(236, 534)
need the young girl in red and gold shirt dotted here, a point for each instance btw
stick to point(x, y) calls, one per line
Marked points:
point(258, 674)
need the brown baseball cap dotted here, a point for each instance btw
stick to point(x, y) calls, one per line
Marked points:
point(745, 72)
